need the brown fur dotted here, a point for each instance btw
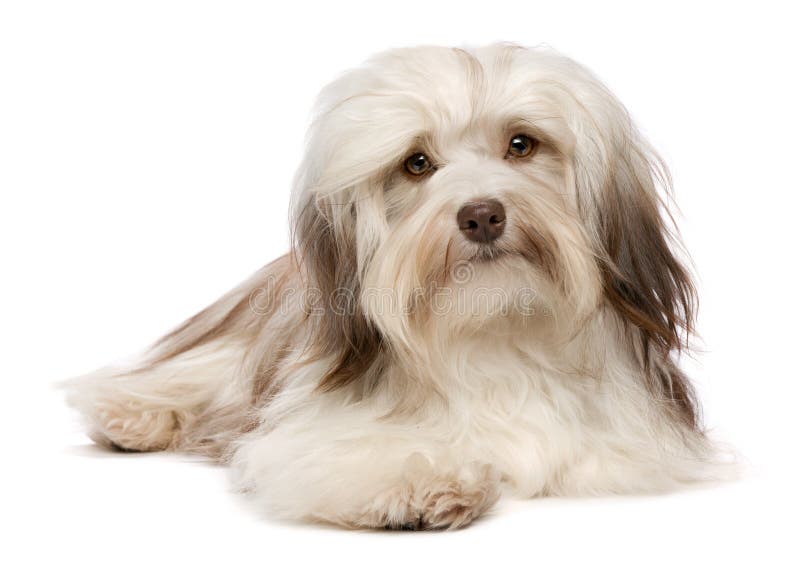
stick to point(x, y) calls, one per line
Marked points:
point(643, 279)
point(233, 313)
point(328, 256)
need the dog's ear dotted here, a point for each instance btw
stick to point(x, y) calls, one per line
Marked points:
point(644, 281)
point(326, 249)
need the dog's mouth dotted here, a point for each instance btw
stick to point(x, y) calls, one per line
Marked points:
point(488, 253)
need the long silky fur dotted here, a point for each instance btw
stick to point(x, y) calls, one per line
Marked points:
point(336, 386)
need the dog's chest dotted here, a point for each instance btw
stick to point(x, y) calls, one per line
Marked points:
point(501, 387)
point(508, 408)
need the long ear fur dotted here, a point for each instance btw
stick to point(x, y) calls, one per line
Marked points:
point(325, 246)
point(644, 281)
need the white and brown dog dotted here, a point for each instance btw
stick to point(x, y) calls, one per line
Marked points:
point(483, 294)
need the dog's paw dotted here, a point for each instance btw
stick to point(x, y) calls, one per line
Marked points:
point(438, 502)
point(130, 429)
point(450, 504)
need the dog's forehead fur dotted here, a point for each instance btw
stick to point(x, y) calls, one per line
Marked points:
point(460, 85)
point(449, 98)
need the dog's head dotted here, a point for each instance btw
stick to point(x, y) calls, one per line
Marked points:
point(434, 173)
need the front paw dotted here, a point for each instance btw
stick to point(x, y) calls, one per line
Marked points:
point(434, 501)
point(451, 504)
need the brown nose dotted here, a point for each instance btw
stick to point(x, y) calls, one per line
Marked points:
point(482, 221)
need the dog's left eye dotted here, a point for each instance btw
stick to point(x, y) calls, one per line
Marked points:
point(418, 164)
point(521, 146)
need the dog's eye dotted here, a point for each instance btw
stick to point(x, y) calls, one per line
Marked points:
point(418, 164)
point(521, 146)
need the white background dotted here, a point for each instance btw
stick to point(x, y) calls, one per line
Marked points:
point(146, 151)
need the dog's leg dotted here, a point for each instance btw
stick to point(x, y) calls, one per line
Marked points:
point(344, 467)
point(167, 405)
point(194, 389)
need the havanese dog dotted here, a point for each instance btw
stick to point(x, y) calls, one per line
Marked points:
point(484, 295)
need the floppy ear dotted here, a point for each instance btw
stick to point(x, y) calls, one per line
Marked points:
point(326, 250)
point(644, 281)
point(337, 216)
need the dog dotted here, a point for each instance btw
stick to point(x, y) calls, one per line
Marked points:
point(485, 294)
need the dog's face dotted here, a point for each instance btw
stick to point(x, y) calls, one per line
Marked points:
point(434, 173)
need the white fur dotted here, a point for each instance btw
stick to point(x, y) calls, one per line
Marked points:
point(470, 399)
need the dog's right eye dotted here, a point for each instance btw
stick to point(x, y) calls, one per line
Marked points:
point(418, 164)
